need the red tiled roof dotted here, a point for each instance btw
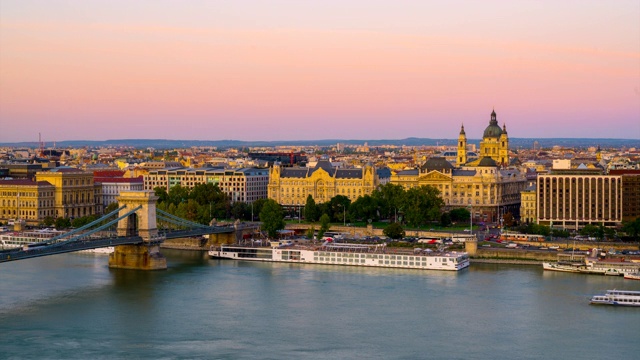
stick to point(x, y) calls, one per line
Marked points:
point(118, 180)
point(108, 173)
point(624, 172)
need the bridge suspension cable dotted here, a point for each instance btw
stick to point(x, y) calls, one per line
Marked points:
point(84, 227)
point(99, 228)
point(165, 216)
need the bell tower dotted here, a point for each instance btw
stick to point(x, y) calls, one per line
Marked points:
point(504, 147)
point(462, 148)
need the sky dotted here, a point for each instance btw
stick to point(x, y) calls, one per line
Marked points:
point(305, 70)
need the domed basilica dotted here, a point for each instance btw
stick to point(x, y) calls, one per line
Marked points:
point(486, 185)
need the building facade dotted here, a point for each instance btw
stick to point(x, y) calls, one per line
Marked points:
point(571, 201)
point(245, 185)
point(528, 205)
point(487, 190)
point(495, 142)
point(484, 185)
point(75, 193)
point(290, 186)
point(110, 187)
point(26, 200)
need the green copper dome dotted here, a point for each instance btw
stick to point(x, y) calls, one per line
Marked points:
point(493, 130)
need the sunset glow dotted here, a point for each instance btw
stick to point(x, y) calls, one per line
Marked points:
point(292, 70)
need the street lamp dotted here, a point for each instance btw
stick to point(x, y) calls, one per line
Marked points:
point(299, 208)
point(251, 212)
point(470, 219)
point(344, 215)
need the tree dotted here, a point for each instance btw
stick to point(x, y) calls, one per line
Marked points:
point(339, 205)
point(311, 209)
point(161, 193)
point(240, 210)
point(459, 214)
point(422, 204)
point(272, 218)
point(589, 230)
point(310, 232)
point(632, 228)
point(389, 198)
point(394, 231)
point(48, 221)
point(324, 225)
point(364, 208)
point(508, 220)
point(445, 219)
point(63, 223)
point(111, 207)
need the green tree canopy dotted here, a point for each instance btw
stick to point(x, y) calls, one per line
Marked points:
point(389, 198)
point(632, 228)
point(272, 218)
point(364, 208)
point(311, 212)
point(460, 214)
point(339, 207)
point(422, 204)
point(394, 231)
point(324, 225)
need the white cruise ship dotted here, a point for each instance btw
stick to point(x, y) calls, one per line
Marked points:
point(345, 254)
point(618, 297)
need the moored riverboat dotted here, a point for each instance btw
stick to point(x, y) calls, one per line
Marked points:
point(618, 298)
point(633, 276)
point(345, 254)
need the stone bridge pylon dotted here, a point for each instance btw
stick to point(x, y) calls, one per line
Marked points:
point(145, 256)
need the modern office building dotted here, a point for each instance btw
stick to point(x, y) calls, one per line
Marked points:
point(573, 200)
point(245, 184)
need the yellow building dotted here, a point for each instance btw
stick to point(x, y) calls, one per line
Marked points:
point(75, 193)
point(26, 200)
point(494, 144)
point(528, 205)
point(484, 185)
point(290, 186)
point(488, 191)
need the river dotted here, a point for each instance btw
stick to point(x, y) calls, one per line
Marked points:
point(72, 306)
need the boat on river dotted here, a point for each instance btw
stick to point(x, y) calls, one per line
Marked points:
point(633, 276)
point(618, 298)
point(592, 265)
point(345, 254)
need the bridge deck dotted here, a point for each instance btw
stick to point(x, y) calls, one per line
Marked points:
point(87, 244)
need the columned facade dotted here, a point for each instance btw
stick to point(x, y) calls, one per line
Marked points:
point(572, 201)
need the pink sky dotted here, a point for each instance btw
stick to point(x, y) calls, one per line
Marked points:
point(289, 70)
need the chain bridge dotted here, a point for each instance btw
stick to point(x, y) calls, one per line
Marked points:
point(137, 238)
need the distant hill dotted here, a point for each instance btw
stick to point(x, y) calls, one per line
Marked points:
point(514, 143)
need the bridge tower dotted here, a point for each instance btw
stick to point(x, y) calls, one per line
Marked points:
point(145, 256)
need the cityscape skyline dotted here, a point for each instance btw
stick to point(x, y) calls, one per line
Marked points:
point(317, 70)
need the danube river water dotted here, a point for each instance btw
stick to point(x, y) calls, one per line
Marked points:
point(72, 306)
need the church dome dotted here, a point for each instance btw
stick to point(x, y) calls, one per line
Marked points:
point(493, 130)
point(487, 161)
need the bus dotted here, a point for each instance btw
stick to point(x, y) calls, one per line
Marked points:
point(515, 236)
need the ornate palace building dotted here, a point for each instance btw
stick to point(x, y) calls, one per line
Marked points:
point(27, 200)
point(75, 193)
point(290, 186)
point(485, 185)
